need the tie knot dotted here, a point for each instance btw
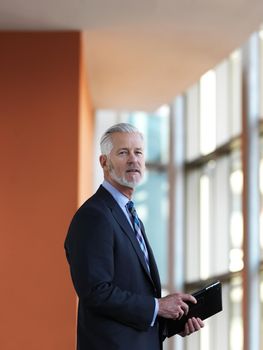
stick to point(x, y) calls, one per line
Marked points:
point(130, 205)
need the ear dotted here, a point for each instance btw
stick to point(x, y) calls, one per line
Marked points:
point(103, 160)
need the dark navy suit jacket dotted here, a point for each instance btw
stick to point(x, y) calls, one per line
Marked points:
point(116, 292)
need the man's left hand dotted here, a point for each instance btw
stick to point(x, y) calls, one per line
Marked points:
point(192, 325)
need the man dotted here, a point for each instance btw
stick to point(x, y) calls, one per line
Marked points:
point(112, 265)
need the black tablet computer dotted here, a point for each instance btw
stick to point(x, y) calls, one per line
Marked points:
point(209, 302)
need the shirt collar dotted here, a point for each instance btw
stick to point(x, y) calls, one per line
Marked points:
point(117, 195)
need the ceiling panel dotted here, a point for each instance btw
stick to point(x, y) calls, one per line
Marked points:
point(140, 54)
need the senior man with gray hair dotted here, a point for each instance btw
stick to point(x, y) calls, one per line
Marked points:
point(111, 262)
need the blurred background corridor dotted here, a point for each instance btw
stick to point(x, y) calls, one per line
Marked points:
point(189, 75)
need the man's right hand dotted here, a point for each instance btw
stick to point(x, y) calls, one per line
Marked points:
point(174, 306)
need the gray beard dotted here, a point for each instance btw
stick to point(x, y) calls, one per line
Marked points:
point(122, 181)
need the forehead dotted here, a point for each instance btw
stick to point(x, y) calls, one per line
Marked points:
point(127, 140)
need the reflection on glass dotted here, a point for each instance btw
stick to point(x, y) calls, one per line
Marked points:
point(236, 181)
point(204, 226)
point(261, 197)
point(235, 92)
point(261, 230)
point(261, 176)
point(261, 71)
point(236, 229)
point(236, 234)
point(208, 112)
point(236, 323)
point(152, 206)
point(236, 262)
point(261, 310)
point(155, 128)
point(205, 337)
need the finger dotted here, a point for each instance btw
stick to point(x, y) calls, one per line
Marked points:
point(175, 316)
point(178, 315)
point(189, 297)
point(201, 323)
point(191, 326)
point(186, 330)
point(185, 308)
point(181, 313)
point(197, 323)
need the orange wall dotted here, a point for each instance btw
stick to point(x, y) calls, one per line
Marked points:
point(40, 89)
point(86, 127)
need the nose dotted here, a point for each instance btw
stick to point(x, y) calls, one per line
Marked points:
point(132, 157)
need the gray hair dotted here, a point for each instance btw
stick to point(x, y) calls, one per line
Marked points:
point(106, 139)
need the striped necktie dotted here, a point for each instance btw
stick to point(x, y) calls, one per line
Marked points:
point(137, 230)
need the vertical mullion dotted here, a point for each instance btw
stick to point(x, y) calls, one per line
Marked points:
point(176, 200)
point(250, 157)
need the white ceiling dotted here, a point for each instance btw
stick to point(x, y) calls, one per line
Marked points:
point(140, 54)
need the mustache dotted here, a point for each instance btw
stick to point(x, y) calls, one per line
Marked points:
point(132, 169)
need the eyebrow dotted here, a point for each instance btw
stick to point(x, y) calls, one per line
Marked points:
point(127, 149)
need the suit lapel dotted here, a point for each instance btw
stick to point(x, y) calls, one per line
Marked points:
point(126, 228)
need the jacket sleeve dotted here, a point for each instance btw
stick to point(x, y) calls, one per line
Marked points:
point(90, 252)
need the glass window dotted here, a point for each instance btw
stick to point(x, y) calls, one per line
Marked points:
point(192, 123)
point(208, 203)
point(261, 197)
point(235, 101)
point(261, 309)
point(261, 72)
point(205, 218)
point(222, 103)
point(236, 319)
point(236, 215)
point(208, 112)
point(192, 241)
point(220, 217)
point(152, 206)
point(214, 190)
point(155, 128)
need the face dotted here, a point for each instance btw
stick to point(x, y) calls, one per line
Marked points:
point(124, 166)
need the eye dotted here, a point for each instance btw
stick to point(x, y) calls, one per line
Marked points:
point(122, 152)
